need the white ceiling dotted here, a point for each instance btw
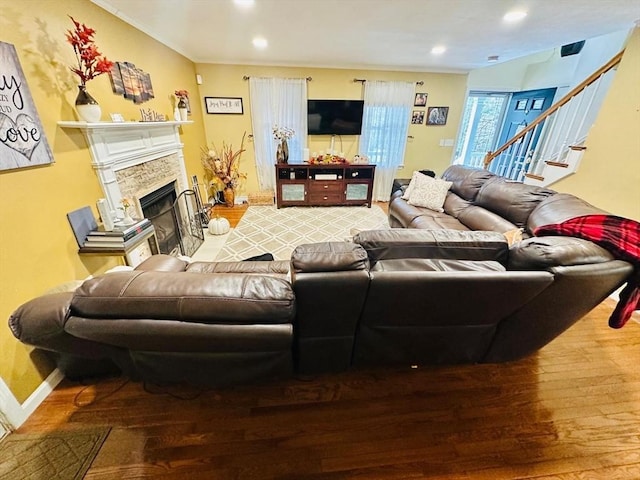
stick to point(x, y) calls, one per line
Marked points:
point(371, 34)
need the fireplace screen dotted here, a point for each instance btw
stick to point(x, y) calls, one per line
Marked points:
point(189, 222)
point(175, 218)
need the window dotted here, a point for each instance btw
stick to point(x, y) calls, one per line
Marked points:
point(480, 127)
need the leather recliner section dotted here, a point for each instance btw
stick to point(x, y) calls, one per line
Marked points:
point(330, 281)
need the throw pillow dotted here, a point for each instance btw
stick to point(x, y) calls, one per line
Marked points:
point(429, 192)
point(407, 191)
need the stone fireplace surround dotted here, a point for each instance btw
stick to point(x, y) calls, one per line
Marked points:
point(133, 159)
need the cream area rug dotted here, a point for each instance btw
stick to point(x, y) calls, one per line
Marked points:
point(266, 229)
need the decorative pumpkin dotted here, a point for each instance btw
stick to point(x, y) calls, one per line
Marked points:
point(218, 226)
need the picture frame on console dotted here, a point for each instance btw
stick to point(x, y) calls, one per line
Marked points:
point(224, 105)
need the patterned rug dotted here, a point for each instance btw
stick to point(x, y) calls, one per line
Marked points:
point(266, 229)
point(62, 455)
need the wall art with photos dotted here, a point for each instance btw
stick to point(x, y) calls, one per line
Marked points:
point(420, 100)
point(437, 115)
point(131, 82)
point(417, 117)
point(22, 139)
point(232, 105)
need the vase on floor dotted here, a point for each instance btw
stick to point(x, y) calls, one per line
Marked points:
point(87, 106)
point(229, 196)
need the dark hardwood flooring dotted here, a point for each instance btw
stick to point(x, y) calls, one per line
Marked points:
point(569, 412)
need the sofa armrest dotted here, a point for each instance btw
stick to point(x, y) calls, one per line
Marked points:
point(41, 322)
point(329, 257)
point(541, 253)
point(444, 244)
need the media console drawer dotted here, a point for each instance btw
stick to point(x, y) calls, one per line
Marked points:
point(330, 186)
point(324, 184)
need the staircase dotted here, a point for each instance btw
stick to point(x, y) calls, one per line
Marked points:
point(552, 146)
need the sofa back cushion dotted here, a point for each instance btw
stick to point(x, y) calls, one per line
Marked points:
point(444, 244)
point(184, 296)
point(559, 208)
point(466, 182)
point(538, 253)
point(511, 200)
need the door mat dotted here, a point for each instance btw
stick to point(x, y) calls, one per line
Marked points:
point(61, 455)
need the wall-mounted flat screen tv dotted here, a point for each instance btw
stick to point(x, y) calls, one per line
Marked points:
point(334, 117)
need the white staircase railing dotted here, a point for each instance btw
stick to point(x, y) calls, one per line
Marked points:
point(550, 148)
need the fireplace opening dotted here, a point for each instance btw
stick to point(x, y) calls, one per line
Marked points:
point(158, 206)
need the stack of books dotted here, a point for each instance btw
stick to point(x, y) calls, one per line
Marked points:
point(118, 238)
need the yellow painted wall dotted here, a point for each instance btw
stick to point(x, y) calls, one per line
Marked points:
point(609, 174)
point(423, 151)
point(37, 247)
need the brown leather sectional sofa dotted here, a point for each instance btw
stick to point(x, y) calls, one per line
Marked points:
point(446, 289)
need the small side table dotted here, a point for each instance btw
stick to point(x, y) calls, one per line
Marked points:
point(134, 250)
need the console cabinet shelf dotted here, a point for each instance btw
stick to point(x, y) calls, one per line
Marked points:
point(324, 185)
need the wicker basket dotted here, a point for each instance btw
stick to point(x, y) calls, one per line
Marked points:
point(264, 197)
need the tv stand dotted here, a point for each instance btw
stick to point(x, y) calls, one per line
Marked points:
point(323, 184)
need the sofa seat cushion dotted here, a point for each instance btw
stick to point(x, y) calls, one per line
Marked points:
point(512, 201)
point(430, 220)
point(435, 265)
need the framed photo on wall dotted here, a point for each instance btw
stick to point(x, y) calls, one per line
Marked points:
point(437, 115)
point(420, 100)
point(225, 105)
point(417, 117)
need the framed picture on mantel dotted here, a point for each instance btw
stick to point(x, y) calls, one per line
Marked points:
point(228, 105)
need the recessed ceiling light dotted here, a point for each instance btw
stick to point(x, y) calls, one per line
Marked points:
point(438, 50)
point(514, 16)
point(492, 58)
point(244, 3)
point(260, 42)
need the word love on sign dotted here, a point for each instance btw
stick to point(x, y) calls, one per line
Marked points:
point(22, 139)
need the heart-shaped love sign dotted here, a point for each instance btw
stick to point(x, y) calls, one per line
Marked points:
point(23, 135)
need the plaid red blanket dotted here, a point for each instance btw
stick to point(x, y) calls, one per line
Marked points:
point(621, 236)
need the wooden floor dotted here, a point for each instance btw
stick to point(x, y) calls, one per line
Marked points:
point(570, 412)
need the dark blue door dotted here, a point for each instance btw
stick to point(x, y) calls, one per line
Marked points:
point(523, 109)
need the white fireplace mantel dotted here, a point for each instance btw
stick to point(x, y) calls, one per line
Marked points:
point(118, 145)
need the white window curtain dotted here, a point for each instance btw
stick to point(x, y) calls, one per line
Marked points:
point(281, 102)
point(385, 123)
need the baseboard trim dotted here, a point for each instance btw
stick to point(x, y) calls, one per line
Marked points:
point(17, 413)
